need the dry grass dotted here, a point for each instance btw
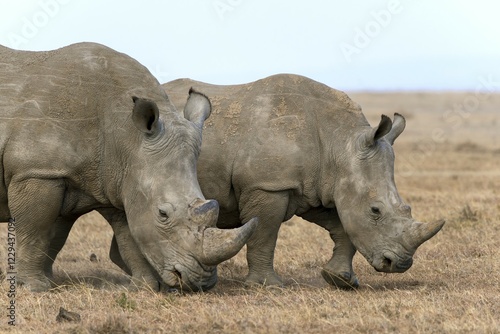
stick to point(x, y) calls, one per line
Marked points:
point(453, 287)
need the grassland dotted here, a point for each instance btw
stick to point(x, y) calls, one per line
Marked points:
point(448, 166)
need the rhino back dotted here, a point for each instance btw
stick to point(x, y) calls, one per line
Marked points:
point(270, 134)
point(55, 110)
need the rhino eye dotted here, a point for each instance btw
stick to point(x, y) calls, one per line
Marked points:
point(163, 214)
point(375, 210)
point(165, 210)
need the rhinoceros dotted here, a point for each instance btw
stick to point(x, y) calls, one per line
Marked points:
point(287, 145)
point(87, 128)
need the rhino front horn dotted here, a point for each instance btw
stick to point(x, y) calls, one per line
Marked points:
point(421, 232)
point(220, 245)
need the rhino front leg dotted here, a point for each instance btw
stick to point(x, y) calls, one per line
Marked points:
point(116, 258)
point(125, 253)
point(338, 271)
point(60, 232)
point(35, 205)
point(270, 208)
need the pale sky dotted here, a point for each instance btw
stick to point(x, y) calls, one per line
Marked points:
point(349, 45)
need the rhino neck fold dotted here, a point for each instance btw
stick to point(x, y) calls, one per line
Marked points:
point(330, 159)
point(116, 163)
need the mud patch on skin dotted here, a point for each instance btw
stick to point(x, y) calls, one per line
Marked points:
point(232, 114)
point(281, 109)
point(216, 102)
point(291, 125)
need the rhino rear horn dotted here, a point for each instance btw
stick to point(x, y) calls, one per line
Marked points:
point(204, 212)
point(220, 245)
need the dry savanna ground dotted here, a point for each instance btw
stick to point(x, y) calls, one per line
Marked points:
point(448, 166)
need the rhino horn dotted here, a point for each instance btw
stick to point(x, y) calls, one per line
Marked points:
point(220, 244)
point(421, 232)
point(204, 212)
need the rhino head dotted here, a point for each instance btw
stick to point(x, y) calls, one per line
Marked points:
point(170, 220)
point(378, 222)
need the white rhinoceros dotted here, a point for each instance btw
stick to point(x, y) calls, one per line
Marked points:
point(85, 127)
point(287, 145)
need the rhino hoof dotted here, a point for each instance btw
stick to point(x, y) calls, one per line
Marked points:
point(269, 280)
point(344, 280)
point(34, 284)
point(144, 283)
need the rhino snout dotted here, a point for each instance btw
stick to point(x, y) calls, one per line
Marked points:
point(391, 263)
point(180, 276)
point(203, 281)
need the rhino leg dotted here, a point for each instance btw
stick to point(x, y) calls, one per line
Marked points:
point(270, 207)
point(116, 258)
point(35, 204)
point(338, 271)
point(60, 232)
point(125, 253)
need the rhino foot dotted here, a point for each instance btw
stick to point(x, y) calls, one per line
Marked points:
point(141, 285)
point(144, 283)
point(343, 280)
point(270, 280)
point(34, 284)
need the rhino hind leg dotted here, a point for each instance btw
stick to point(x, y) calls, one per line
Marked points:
point(125, 253)
point(271, 208)
point(35, 205)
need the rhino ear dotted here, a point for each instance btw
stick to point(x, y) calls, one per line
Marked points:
point(198, 108)
point(383, 128)
point(398, 125)
point(145, 115)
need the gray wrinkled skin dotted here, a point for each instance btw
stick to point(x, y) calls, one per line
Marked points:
point(288, 145)
point(85, 127)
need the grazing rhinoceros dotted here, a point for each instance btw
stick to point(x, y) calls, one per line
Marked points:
point(85, 127)
point(288, 145)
